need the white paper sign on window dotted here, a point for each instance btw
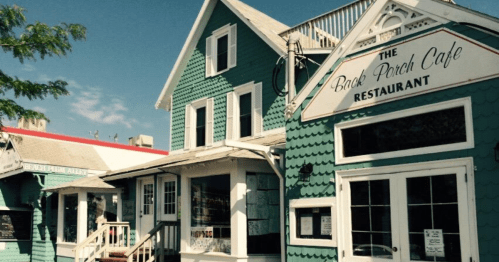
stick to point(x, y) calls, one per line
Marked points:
point(434, 243)
point(306, 225)
point(325, 225)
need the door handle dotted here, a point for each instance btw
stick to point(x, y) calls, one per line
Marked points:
point(395, 249)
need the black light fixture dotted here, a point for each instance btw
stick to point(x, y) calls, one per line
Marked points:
point(305, 172)
point(496, 151)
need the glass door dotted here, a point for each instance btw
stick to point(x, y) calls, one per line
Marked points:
point(409, 216)
point(434, 209)
point(373, 228)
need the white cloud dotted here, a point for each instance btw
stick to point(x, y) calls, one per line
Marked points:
point(89, 105)
point(28, 67)
point(71, 83)
point(40, 109)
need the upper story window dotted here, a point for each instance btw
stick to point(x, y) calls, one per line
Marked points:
point(245, 115)
point(244, 111)
point(201, 126)
point(428, 129)
point(221, 50)
point(199, 123)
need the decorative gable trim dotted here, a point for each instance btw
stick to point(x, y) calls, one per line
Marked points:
point(395, 21)
point(436, 8)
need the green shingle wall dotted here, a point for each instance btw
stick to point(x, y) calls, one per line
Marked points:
point(313, 142)
point(255, 62)
point(24, 189)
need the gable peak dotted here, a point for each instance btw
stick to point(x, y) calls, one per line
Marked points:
point(394, 21)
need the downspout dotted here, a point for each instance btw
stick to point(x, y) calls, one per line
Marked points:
point(266, 151)
point(293, 38)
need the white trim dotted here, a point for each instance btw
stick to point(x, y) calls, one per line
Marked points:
point(256, 116)
point(311, 203)
point(217, 34)
point(190, 128)
point(431, 167)
point(138, 204)
point(437, 8)
point(470, 143)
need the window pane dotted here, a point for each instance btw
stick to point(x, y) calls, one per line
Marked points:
point(70, 218)
point(424, 130)
point(101, 208)
point(245, 114)
point(424, 212)
point(210, 213)
point(371, 218)
point(222, 54)
point(201, 126)
point(169, 198)
point(147, 199)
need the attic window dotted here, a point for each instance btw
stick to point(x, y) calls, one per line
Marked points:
point(221, 50)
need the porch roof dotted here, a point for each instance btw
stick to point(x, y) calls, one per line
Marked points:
point(197, 156)
point(93, 182)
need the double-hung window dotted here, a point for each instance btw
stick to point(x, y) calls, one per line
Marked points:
point(244, 111)
point(199, 123)
point(221, 50)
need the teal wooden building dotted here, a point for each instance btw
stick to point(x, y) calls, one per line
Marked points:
point(392, 146)
point(40, 224)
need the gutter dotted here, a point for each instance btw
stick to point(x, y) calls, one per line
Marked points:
point(267, 153)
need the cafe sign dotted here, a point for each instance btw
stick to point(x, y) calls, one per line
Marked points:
point(437, 60)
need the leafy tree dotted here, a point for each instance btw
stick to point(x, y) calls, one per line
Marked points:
point(25, 42)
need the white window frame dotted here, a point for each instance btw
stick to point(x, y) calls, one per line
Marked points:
point(469, 143)
point(313, 203)
point(432, 168)
point(211, 49)
point(161, 214)
point(233, 131)
point(190, 122)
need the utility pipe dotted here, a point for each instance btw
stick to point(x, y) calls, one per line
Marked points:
point(293, 38)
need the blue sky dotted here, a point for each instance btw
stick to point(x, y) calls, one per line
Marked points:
point(116, 75)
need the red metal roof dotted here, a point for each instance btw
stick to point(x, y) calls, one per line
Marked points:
point(20, 131)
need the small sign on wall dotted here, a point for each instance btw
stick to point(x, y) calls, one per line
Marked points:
point(325, 225)
point(306, 225)
point(434, 243)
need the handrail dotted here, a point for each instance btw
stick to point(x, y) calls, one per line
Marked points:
point(91, 237)
point(145, 238)
point(102, 240)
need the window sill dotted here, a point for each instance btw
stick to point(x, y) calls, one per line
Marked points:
point(219, 73)
point(313, 242)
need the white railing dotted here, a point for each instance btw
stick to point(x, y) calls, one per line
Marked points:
point(327, 30)
point(111, 236)
point(161, 241)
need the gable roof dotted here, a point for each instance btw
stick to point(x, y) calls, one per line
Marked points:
point(60, 150)
point(265, 27)
point(438, 8)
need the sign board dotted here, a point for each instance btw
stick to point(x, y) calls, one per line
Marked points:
point(325, 225)
point(306, 225)
point(435, 61)
point(434, 243)
point(128, 210)
point(15, 225)
point(9, 161)
point(54, 169)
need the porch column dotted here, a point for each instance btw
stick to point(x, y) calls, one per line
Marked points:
point(238, 217)
point(82, 217)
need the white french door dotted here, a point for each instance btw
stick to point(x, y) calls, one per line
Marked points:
point(409, 216)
